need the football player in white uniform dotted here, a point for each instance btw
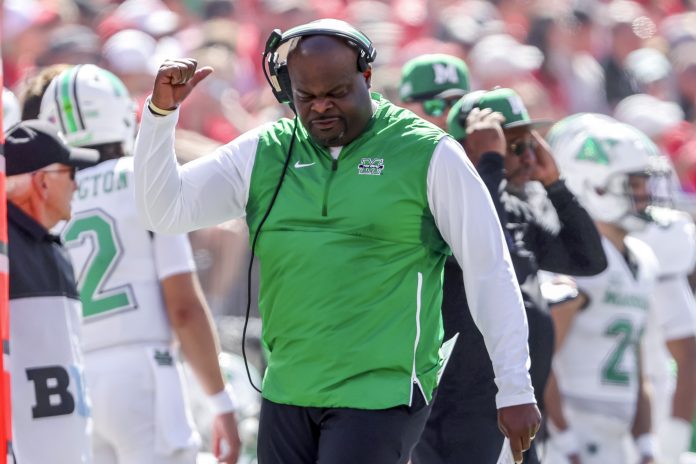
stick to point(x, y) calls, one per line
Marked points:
point(596, 399)
point(670, 330)
point(139, 291)
point(670, 333)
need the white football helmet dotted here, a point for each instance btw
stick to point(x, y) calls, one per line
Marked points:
point(597, 155)
point(90, 106)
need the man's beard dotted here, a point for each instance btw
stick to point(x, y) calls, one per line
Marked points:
point(330, 142)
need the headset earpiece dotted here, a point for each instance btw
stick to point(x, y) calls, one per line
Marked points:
point(283, 76)
point(278, 76)
point(277, 73)
point(363, 65)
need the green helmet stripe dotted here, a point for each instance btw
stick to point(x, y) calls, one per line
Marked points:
point(67, 105)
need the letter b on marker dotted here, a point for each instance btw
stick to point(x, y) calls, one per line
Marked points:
point(51, 391)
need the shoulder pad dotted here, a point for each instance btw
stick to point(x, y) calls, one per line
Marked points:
point(672, 237)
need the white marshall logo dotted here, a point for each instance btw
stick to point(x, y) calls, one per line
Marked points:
point(371, 166)
point(445, 73)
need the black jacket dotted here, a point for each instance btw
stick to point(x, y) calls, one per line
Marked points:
point(569, 244)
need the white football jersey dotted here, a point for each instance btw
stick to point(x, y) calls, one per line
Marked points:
point(117, 262)
point(672, 236)
point(596, 367)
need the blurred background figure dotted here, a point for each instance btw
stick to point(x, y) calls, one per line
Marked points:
point(71, 44)
point(651, 72)
point(628, 28)
point(500, 60)
point(465, 23)
point(133, 56)
point(652, 115)
point(431, 84)
point(684, 62)
point(569, 71)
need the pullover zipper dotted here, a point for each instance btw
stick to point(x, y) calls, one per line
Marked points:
point(332, 173)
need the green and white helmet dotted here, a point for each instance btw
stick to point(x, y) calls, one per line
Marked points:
point(596, 154)
point(90, 106)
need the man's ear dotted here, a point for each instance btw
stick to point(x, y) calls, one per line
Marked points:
point(38, 183)
point(368, 76)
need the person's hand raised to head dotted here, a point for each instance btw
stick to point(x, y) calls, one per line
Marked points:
point(484, 133)
point(175, 80)
point(545, 170)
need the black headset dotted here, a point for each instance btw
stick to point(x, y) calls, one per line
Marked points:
point(279, 78)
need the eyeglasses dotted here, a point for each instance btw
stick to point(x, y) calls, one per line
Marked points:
point(521, 147)
point(437, 107)
point(72, 170)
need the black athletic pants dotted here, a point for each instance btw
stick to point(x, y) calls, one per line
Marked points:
point(304, 435)
point(460, 439)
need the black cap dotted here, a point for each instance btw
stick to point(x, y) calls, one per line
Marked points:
point(33, 144)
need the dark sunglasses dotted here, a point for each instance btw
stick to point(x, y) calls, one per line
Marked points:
point(437, 107)
point(521, 147)
point(71, 170)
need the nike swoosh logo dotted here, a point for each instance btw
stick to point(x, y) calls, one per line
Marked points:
point(299, 165)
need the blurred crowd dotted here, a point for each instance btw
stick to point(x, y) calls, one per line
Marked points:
point(634, 60)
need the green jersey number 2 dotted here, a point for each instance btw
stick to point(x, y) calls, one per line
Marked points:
point(99, 228)
point(612, 370)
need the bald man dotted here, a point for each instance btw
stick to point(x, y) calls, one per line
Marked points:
point(351, 254)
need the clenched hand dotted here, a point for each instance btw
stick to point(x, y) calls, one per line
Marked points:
point(175, 80)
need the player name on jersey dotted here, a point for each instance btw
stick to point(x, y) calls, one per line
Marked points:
point(618, 299)
point(97, 183)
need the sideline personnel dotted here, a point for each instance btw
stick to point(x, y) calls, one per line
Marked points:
point(373, 199)
point(50, 409)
